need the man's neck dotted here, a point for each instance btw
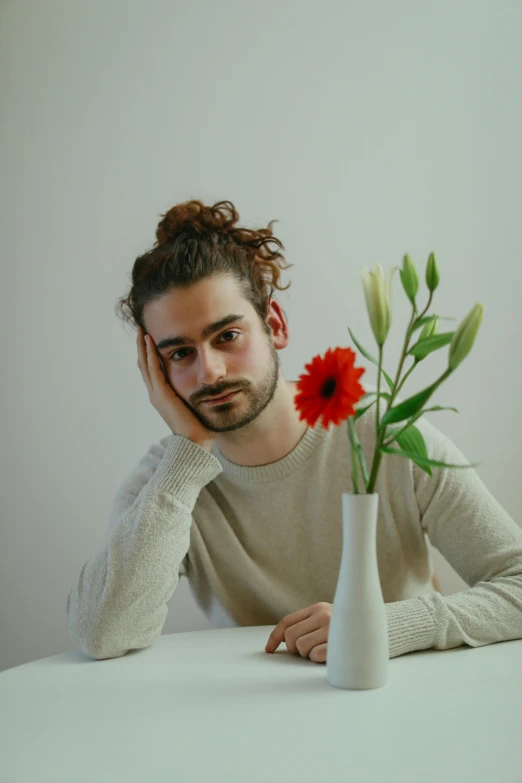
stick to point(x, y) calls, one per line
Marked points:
point(270, 437)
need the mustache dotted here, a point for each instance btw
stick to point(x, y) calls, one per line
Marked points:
point(217, 392)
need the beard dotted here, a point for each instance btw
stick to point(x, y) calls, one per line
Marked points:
point(231, 416)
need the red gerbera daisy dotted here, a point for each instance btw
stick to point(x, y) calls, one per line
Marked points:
point(330, 389)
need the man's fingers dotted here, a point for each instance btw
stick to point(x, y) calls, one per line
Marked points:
point(278, 634)
point(143, 360)
point(319, 653)
point(307, 642)
point(151, 353)
point(154, 365)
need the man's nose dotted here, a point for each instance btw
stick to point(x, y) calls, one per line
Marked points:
point(211, 367)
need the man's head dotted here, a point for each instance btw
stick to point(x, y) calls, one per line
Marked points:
point(212, 341)
point(202, 272)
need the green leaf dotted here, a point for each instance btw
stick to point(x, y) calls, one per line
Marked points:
point(418, 459)
point(425, 319)
point(407, 408)
point(371, 359)
point(361, 411)
point(428, 344)
point(411, 440)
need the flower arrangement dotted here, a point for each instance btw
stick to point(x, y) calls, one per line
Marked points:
point(330, 388)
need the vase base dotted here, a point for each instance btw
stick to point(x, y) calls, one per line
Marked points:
point(353, 687)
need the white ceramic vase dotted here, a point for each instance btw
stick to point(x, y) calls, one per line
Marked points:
point(358, 648)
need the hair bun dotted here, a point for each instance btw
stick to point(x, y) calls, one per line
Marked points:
point(193, 217)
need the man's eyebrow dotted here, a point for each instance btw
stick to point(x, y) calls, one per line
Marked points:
point(209, 330)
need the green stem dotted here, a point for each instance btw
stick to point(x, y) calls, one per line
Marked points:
point(404, 353)
point(379, 440)
point(377, 456)
point(355, 475)
point(378, 411)
point(357, 448)
point(401, 384)
point(406, 347)
point(426, 308)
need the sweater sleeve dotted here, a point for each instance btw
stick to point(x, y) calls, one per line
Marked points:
point(481, 542)
point(119, 601)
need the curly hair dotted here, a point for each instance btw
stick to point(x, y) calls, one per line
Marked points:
point(195, 242)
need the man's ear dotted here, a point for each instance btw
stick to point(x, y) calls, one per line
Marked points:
point(277, 324)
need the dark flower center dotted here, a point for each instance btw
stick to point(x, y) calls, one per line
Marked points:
point(328, 388)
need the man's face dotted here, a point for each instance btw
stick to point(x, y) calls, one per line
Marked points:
point(238, 355)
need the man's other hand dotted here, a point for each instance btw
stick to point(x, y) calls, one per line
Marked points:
point(305, 632)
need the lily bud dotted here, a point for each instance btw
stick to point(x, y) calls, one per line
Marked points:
point(432, 273)
point(410, 279)
point(377, 292)
point(429, 330)
point(465, 335)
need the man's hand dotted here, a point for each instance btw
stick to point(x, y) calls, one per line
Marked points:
point(305, 632)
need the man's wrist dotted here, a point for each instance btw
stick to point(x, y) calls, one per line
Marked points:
point(204, 444)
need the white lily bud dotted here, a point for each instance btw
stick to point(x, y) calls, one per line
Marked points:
point(377, 293)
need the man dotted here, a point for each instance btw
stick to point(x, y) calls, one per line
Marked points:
point(245, 500)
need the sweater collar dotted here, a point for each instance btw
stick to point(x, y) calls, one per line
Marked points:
point(311, 439)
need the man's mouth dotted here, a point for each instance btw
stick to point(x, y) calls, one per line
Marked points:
point(222, 398)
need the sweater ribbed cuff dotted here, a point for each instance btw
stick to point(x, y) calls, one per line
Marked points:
point(410, 626)
point(184, 470)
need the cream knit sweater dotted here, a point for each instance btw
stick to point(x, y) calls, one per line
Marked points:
point(258, 543)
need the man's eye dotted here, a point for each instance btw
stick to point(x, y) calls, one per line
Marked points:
point(173, 358)
point(229, 341)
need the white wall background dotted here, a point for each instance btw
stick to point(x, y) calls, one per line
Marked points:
point(368, 129)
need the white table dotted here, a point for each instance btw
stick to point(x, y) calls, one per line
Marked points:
point(213, 706)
